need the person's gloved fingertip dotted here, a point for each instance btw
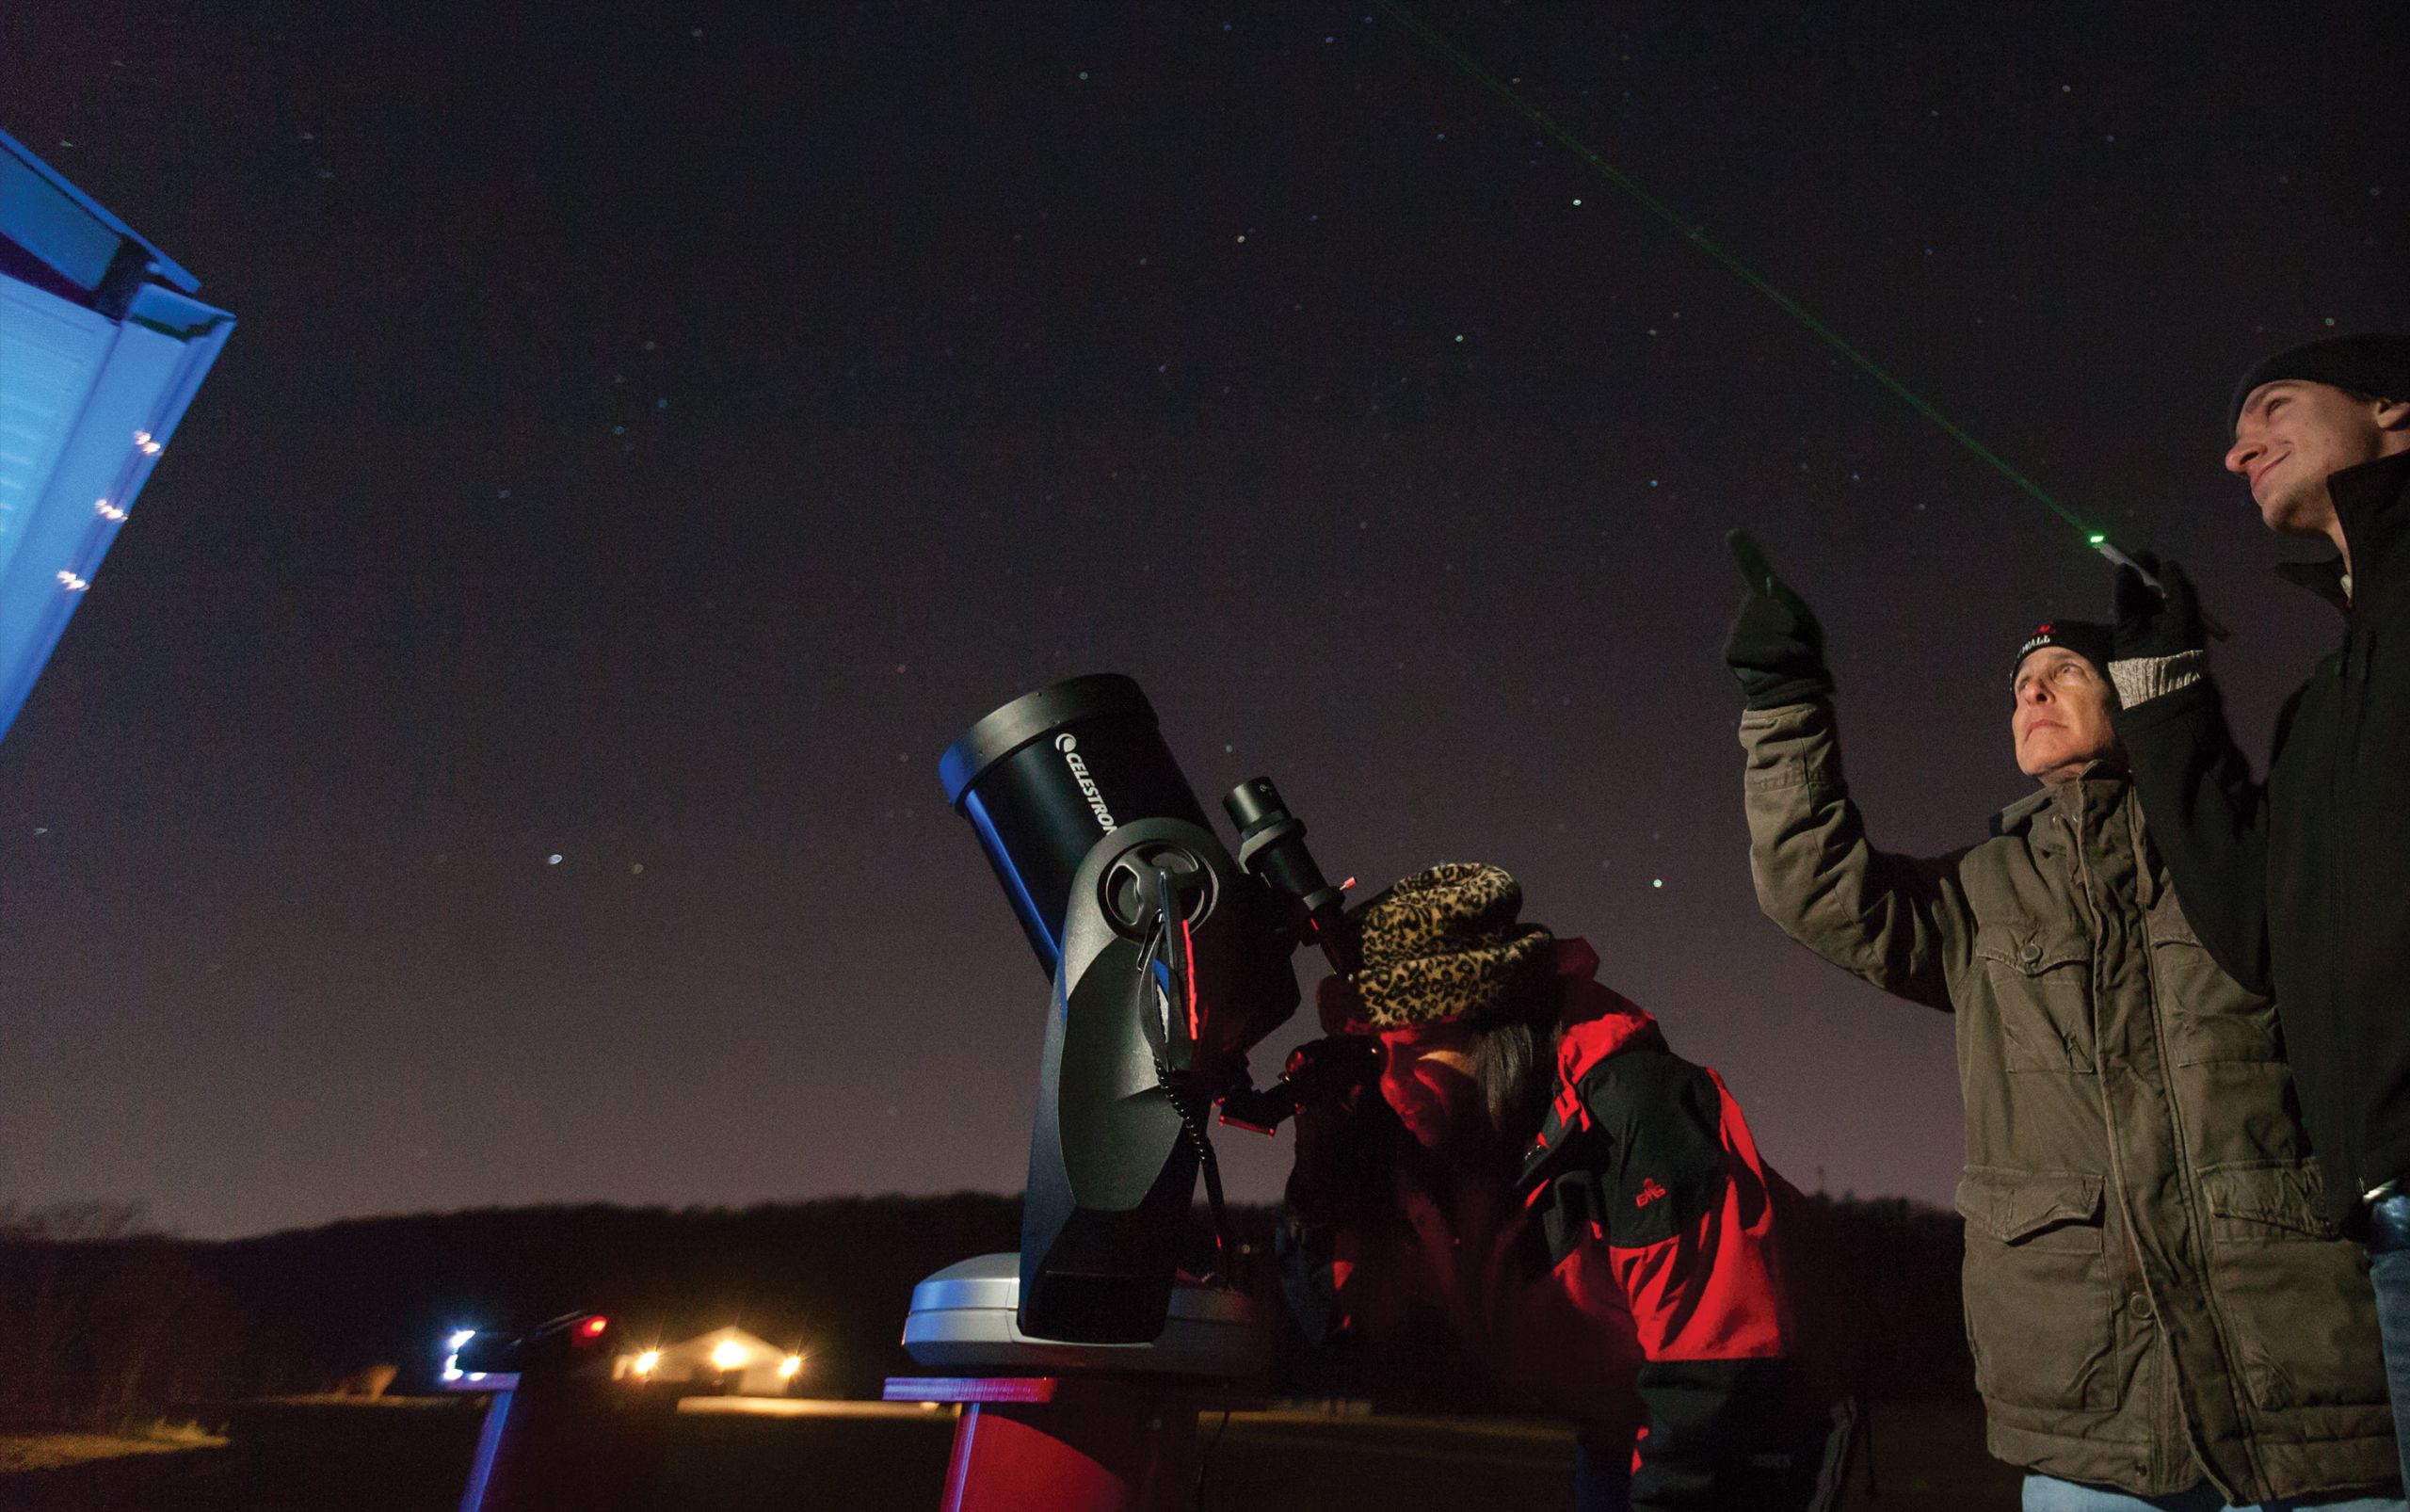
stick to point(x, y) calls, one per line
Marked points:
point(1751, 558)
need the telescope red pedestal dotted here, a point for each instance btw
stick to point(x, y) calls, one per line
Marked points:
point(1071, 1443)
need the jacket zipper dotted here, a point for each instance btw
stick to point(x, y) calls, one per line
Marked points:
point(2141, 1272)
point(2348, 715)
point(2196, 1211)
point(2189, 1431)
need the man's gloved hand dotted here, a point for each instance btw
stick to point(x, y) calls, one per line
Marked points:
point(1777, 647)
point(2156, 621)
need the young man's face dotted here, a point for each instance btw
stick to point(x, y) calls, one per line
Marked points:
point(2292, 435)
point(1427, 1078)
point(2061, 722)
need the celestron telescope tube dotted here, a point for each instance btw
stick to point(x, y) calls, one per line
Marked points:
point(1050, 774)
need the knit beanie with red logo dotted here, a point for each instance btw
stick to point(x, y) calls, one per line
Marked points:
point(2092, 641)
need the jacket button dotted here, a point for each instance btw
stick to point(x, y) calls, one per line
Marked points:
point(2032, 951)
point(2138, 1303)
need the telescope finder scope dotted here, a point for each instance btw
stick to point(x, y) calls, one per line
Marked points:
point(1272, 848)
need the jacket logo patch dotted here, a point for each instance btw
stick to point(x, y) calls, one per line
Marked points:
point(1650, 1192)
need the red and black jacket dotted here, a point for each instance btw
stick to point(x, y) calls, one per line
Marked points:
point(1641, 1289)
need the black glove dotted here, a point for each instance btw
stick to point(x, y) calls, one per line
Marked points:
point(1777, 647)
point(1329, 1070)
point(1346, 1135)
point(2156, 621)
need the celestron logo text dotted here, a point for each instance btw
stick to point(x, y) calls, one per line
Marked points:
point(1071, 749)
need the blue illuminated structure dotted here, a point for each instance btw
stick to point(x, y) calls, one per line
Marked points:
point(102, 346)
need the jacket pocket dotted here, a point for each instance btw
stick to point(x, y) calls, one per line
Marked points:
point(2263, 1201)
point(2042, 982)
point(2040, 1316)
point(2300, 1310)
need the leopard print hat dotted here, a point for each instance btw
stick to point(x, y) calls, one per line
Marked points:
point(1442, 946)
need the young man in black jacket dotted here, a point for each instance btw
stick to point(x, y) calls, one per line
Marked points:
point(2301, 885)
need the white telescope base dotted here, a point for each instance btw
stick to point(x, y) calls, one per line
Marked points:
point(966, 1318)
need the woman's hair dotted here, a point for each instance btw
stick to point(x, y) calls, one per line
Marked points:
point(1514, 1064)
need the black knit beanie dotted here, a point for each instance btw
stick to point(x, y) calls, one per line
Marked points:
point(2087, 639)
point(2374, 363)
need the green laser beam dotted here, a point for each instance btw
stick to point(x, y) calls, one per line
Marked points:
point(1658, 208)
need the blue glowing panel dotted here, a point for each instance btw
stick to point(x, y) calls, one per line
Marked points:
point(50, 351)
point(54, 223)
point(100, 350)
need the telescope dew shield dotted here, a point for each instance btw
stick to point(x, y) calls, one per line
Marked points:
point(1050, 774)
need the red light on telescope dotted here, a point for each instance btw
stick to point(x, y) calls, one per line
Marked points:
point(593, 1326)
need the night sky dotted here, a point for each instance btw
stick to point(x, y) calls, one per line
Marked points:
point(497, 763)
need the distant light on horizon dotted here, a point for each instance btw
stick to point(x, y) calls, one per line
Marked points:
point(453, 1344)
point(789, 1367)
point(728, 1354)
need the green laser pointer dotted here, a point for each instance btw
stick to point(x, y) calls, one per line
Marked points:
point(1437, 42)
point(2100, 543)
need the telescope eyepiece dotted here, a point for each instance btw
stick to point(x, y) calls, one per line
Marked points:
point(1253, 804)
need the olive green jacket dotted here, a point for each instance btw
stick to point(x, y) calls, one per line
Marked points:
point(2153, 1294)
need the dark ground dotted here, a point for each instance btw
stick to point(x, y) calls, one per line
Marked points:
point(1925, 1461)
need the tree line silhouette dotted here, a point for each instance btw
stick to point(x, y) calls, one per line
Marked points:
point(103, 1323)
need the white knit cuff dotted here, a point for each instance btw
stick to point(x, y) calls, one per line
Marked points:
point(2145, 678)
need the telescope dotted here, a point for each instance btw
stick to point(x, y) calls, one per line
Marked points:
point(1170, 959)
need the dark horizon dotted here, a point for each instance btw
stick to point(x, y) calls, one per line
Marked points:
point(653, 434)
